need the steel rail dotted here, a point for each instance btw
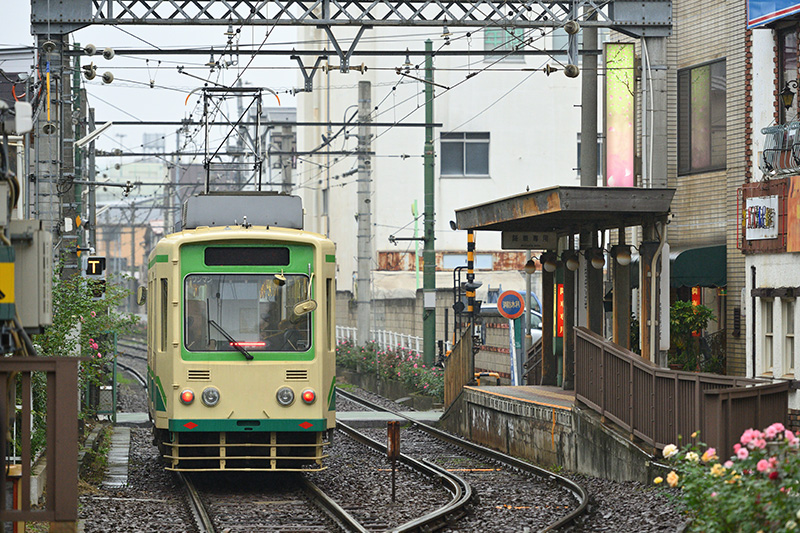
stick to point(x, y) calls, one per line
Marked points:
point(456, 485)
point(334, 509)
point(577, 491)
point(134, 373)
point(204, 523)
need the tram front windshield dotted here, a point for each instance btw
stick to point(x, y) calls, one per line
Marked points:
point(251, 310)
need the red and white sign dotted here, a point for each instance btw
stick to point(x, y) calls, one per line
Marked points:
point(511, 305)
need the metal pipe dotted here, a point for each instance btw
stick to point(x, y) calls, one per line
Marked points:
point(653, 292)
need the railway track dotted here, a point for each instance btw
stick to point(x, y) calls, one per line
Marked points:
point(221, 505)
point(512, 464)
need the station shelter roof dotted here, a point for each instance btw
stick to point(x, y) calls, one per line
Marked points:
point(568, 210)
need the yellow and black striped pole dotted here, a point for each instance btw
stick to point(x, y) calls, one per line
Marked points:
point(470, 274)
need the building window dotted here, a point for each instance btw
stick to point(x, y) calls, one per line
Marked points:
point(702, 138)
point(768, 331)
point(482, 261)
point(500, 43)
point(465, 154)
point(788, 339)
point(787, 48)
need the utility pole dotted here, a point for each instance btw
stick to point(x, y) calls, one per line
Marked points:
point(428, 251)
point(132, 265)
point(92, 211)
point(363, 285)
point(594, 277)
point(286, 158)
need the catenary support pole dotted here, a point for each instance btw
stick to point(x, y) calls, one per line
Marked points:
point(363, 282)
point(428, 253)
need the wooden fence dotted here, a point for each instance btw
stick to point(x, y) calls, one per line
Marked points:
point(61, 505)
point(658, 405)
point(458, 369)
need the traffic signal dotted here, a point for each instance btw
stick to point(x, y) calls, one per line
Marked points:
point(95, 266)
point(95, 272)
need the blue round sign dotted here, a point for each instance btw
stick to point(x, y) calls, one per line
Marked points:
point(511, 305)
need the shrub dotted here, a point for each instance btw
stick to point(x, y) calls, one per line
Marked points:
point(685, 319)
point(756, 489)
point(399, 363)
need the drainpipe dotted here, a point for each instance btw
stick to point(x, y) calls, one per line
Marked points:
point(653, 288)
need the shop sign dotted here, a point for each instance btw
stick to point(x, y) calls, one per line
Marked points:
point(760, 218)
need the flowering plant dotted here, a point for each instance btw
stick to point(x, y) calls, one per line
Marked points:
point(756, 490)
point(398, 363)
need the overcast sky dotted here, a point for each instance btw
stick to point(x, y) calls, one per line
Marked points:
point(130, 96)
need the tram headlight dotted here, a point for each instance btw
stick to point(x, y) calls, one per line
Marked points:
point(187, 396)
point(285, 396)
point(210, 396)
point(308, 396)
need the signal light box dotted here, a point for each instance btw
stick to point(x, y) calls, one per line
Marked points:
point(95, 266)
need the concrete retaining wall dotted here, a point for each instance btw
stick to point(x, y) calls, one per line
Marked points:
point(575, 440)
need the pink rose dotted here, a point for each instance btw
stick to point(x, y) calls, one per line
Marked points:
point(763, 465)
point(728, 464)
point(742, 454)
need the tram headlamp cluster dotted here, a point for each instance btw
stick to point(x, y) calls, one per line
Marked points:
point(285, 396)
point(210, 396)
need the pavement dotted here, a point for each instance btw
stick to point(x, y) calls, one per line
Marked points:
point(376, 419)
point(117, 474)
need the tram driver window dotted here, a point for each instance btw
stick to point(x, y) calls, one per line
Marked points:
point(246, 310)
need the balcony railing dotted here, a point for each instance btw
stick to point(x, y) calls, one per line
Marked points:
point(781, 155)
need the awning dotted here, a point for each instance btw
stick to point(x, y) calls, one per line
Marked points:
point(700, 267)
point(706, 266)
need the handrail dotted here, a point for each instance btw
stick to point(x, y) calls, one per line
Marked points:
point(658, 405)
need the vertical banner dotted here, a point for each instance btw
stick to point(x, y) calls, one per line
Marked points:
point(793, 215)
point(697, 299)
point(560, 310)
point(620, 108)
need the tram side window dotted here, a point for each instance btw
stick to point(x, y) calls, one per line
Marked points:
point(163, 317)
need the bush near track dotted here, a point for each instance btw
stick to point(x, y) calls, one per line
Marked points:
point(399, 364)
point(85, 327)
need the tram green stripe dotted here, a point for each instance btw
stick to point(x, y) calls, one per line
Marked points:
point(330, 258)
point(257, 425)
point(332, 395)
point(158, 259)
point(160, 397)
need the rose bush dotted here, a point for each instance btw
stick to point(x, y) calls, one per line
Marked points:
point(399, 363)
point(757, 489)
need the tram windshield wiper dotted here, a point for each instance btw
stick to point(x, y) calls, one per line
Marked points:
point(231, 340)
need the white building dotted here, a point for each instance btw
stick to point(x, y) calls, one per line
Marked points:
point(506, 126)
point(770, 209)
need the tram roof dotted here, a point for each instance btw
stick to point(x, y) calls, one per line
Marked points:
point(568, 210)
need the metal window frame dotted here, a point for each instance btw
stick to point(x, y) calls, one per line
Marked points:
point(688, 170)
point(463, 141)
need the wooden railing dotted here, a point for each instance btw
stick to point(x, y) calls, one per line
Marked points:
point(532, 371)
point(658, 405)
point(61, 504)
point(459, 369)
